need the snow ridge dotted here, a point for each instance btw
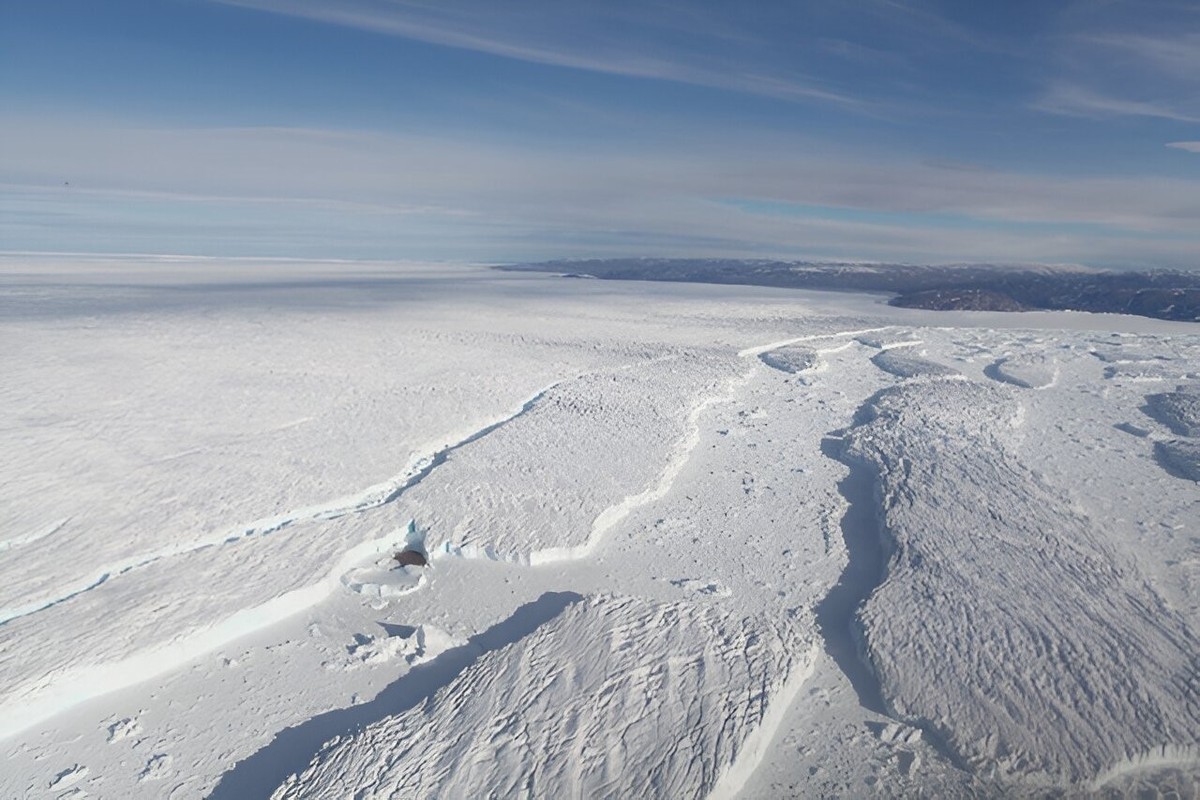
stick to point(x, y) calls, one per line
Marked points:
point(259, 774)
point(31, 705)
point(584, 706)
point(754, 746)
point(1164, 756)
point(790, 359)
point(374, 496)
point(1178, 410)
point(763, 348)
point(909, 366)
point(30, 538)
point(1028, 371)
point(1051, 660)
point(615, 514)
point(76, 686)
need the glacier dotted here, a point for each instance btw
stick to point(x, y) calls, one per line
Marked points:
point(682, 539)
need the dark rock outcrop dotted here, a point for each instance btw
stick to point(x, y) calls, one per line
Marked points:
point(1162, 294)
point(411, 558)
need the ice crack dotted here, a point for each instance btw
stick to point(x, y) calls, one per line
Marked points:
point(372, 497)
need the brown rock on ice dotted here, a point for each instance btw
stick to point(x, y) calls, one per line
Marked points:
point(411, 558)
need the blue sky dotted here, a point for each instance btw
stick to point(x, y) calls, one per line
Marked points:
point(891, 130)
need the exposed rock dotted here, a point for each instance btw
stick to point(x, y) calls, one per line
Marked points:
point(959, 300)
point(411, 558)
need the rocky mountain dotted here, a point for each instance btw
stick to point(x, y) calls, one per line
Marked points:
point(1170, 295)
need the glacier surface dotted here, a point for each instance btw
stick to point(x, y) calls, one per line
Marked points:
point(682, 540)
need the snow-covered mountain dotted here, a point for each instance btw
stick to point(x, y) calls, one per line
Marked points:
point(1163, 294)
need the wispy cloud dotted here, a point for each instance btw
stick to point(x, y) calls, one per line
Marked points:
point(1124, 61)
point(459, 198)
point(1078, 101)
point(611, 38)
point(1191, 147)
point(917, 17)
point(1177, 55)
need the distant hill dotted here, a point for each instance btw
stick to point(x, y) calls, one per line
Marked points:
point(1170, 295)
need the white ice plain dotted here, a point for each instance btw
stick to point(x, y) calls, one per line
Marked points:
point(682, 540)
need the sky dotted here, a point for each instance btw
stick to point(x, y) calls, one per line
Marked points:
point(909, 131)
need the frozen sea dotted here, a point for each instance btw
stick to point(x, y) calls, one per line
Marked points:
point(682, 540)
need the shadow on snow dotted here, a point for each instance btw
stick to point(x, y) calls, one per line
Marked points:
point(292, 749)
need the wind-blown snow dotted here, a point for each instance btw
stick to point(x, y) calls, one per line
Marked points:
point(791, 358)
point(1181, 456)
point(1049, 657)
point(1034, 371)
point(682, 540)
point(1178, 410)
point(621, 721)
point(904, 365)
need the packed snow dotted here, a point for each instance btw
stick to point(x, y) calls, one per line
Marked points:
point(1180, 455)
point(1049, 658)
point(905, 365)
point(1030, 371)
point(679, 540)
point(626, 720)
point(1179, 410)
point(791, 358)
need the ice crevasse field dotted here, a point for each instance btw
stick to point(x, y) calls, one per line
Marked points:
point(682, 540)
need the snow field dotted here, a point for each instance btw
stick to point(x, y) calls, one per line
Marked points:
point(620, 720)
point(791, 359)
point(905, 365)
point(544, 477)
point(1049, 659)
point(158, 602)
point(667, 570)
point(1034, 371)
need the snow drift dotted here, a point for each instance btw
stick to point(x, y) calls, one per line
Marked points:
point(585, 706)
point(1006, 625)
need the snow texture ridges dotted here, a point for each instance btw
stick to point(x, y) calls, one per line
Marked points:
point(1180, 456)
point(550, 487)
point(790, 358)
point(1026, 371)
point(1178, 410)
point(584, 706)
point(1048, 657)
point(908, 366)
